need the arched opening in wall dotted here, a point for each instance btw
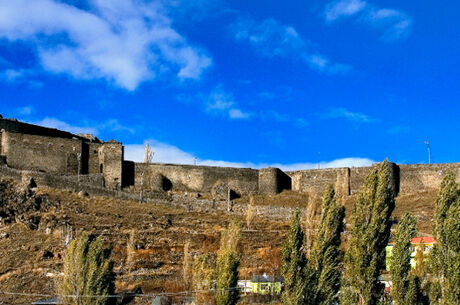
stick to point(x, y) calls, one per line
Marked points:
point(234, 195)
point(101, 168)
point(166, 183)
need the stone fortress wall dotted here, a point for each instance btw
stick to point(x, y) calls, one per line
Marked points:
point(35, 148)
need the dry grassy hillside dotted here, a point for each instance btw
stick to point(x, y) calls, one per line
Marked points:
point(35, 225)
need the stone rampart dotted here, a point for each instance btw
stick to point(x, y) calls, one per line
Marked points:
point(13, 125)
point(420, 177)
point(40, 153)
point(316, 180)
point(346, 181)
point(273, 181)
point(204, 179)
point(30, 147)
point(111, 154)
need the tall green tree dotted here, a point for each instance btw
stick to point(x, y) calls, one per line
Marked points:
point(325, 256)
point(299, 277)
point(204, 274)
point(228, 262)
point(88, 273)
point(404, 291)
point(368, 237)
point(445, 257)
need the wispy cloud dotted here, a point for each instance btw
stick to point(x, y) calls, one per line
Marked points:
point(272, 39)
point(124, 41)
point(220, 102)
point(275, 116)
point(166, 153)
point(26, 110)
point(394, 24)
point(58, 124)
point(19, 76)
point(112, 125)
point(344, 8)
point(343, 113)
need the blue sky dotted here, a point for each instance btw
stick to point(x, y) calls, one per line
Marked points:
point(240, 83)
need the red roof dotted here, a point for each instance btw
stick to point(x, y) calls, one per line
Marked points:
point(423, 240)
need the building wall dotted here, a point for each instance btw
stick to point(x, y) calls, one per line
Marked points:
point(273, 181)
point(316, 180)
point(1, 136)
point(94, 160)
point(196, 178)
point(358, 178)
point(111, 157)
point(39, 153)
point(13, 125)
point(419, 177)
point(346, 181)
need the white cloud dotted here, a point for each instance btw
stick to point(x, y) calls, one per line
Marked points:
point(343, 8)
point(19, 76)
point(272, 39)
point(220, 102)
point(350, 115)
point(320, 63)
point(11, 75)
point(26, 110)
point(61, 125)
point(393, 23)
point(124, 41)
point(165, 153)
point(238, 114)
point(112, 125)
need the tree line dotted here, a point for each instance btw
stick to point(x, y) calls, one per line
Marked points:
point(325, 274)
point(329, 275)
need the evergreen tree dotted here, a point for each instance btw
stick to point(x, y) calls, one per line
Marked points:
point(326, 250)
point(368, 237)
point(445, 257)
point(204, 274)
point(88, 273)
point(228, 262)
point(404, 291)
point(299, 278)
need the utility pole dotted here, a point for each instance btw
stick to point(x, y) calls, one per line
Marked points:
point(429, 151)
point(194, 160)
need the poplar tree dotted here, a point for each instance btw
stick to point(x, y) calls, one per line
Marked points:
point(368, 237)
point(445, 256)
point(406, 286)
point(204, 274)
point(228, 262)
point(326, 251)
point(299, 281)
point(88, 273)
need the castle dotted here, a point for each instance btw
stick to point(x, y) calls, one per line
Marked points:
point(59, 158)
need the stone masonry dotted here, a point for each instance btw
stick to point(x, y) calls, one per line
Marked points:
point(35, 148)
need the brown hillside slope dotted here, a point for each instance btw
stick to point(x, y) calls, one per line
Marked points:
point(35, 225)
